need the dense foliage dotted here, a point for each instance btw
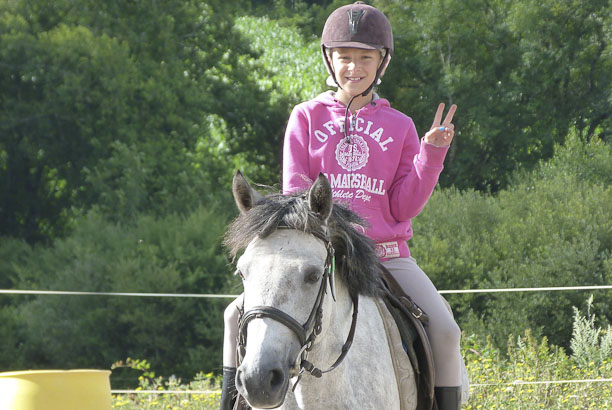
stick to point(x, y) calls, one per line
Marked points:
point(551, 227)
point(115, 105)
point(173, 254)
point(121, 124)
point(522, 73)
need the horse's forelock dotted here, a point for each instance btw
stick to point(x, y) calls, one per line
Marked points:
point(262, 220)
point(355, 256)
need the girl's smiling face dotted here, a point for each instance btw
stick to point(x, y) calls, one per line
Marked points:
point(355, 68)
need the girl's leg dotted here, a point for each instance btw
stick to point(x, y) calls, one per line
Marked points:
point(230, 337)
point(444, 334)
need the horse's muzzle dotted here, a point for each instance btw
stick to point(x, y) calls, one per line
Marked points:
point(264, 387)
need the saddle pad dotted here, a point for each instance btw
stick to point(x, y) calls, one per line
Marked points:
point(404, 374)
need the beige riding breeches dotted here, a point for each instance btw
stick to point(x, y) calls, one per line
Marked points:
point(444, 334)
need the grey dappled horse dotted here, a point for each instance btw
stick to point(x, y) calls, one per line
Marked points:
point(292, 330)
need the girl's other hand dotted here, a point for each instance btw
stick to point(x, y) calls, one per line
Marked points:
point(441, 134)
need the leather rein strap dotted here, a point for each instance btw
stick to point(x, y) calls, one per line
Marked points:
point(310, 368)
point(307, 332)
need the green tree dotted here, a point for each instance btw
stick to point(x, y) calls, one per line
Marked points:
point(522, 73)
point(60, 89)
point(114, 104)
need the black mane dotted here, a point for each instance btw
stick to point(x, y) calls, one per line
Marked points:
point(356, 260)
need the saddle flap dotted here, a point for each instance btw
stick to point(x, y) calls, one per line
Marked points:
point(417, 348)
point(411, 321)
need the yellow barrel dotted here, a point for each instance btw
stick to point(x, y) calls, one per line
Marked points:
point(55, 390)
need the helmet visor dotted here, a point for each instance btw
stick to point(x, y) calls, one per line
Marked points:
point(351, 44)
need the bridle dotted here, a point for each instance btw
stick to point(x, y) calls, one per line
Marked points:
point(307, 332)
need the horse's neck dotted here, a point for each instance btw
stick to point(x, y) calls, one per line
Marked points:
point(369, 355)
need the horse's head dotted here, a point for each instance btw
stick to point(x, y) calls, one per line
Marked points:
point(291, 245)
point(285, 274)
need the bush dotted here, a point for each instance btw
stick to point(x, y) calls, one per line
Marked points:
point(206, 384)
point(590, 345)
point(527, 374)
point(551, 227)
point(516, 378)
point(168, 255)
point(13, 253)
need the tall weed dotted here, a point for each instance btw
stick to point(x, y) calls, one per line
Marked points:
point(590, 345)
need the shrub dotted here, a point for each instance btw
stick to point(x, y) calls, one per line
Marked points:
point(551, 227)
point(528, 374)
point(590, 345)
point(168, 255)
point(532, 374)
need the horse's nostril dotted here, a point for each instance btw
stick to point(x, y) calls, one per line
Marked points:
point(276, 379)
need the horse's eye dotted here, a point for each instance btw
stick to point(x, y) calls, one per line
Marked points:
point(312, 276)
point(239, 273)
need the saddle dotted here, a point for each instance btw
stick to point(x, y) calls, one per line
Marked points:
point(411, 321)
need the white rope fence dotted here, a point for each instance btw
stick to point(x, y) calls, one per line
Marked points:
point(552, 288)
point(226, 296)
point(165, 391)
point(76, 293)
point(514, 383)
point(522, 382)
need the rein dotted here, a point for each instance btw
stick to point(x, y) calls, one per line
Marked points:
point(308, 331)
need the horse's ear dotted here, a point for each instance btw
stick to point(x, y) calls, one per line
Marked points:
point(245, 196)
point(320, 197)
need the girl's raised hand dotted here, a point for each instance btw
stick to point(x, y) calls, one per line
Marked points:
point(441, 134)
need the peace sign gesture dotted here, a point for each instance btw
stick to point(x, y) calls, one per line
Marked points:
point(441, 134)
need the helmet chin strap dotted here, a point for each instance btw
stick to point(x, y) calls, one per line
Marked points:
point(346, 113)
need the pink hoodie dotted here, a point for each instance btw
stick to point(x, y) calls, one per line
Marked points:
point(385, 175)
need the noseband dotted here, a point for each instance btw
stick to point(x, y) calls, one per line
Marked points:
point(307, 332)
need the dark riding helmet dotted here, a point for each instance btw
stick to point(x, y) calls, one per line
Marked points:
point(357, 25)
